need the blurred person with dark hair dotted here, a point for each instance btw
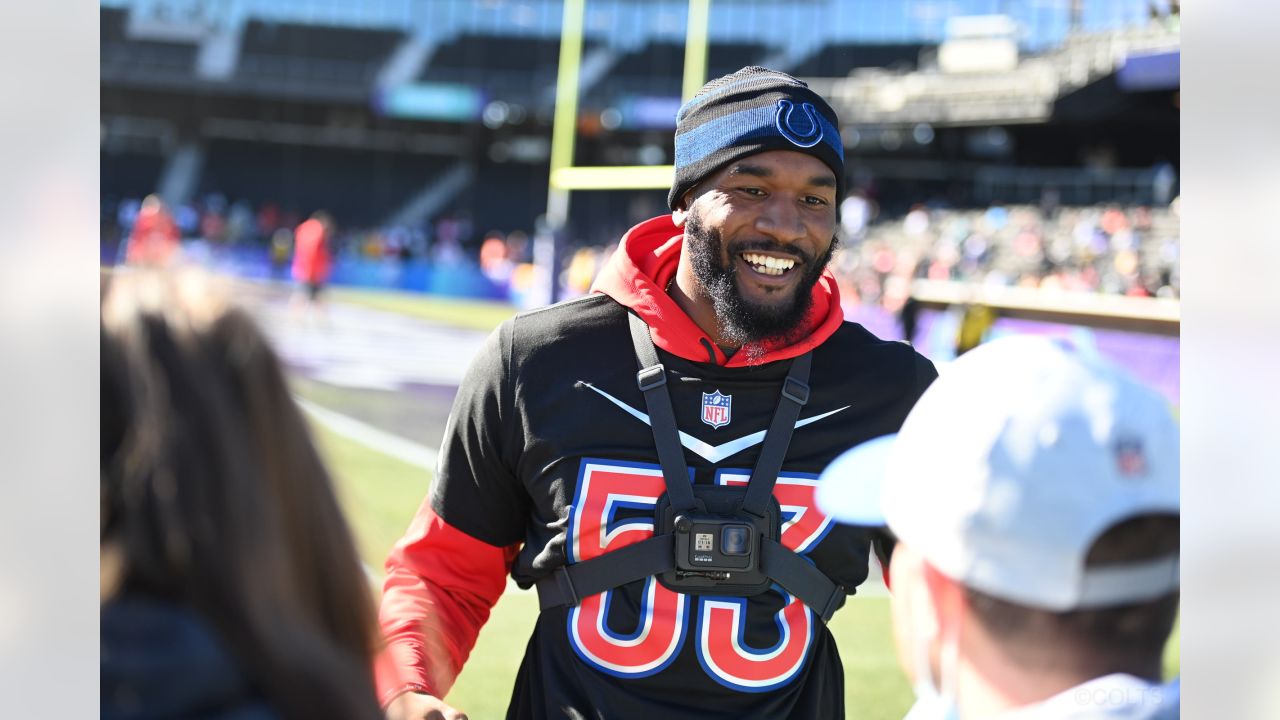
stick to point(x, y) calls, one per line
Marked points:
point(155, 236)
point(312, 259)
point(230, 586)
point(1040, 578)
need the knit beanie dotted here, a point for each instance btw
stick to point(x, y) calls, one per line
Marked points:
point(747, 112)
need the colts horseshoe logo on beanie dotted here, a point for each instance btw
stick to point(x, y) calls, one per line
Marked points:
point(803, 138)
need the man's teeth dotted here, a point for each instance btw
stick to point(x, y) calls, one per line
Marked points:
point(767, 264)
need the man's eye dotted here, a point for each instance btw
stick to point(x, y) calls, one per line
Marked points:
point(752, 191)
point(814, 200)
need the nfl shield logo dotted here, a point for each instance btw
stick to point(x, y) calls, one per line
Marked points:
point(715, 409)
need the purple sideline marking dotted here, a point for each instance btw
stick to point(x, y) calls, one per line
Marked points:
point(1153, 359)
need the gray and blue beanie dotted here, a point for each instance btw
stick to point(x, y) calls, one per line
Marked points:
point(750, 111)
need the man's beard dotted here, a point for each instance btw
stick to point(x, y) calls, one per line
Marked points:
point(743, 321)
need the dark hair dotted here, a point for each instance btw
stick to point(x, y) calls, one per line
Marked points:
point(1125, 638)
point(214, 497)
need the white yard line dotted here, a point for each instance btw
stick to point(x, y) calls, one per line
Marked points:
point(377, 440)
point(371, 437)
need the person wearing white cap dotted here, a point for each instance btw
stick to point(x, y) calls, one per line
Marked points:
point(1033, 493)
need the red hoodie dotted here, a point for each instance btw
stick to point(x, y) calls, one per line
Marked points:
point(644, 264)
point(441, 583)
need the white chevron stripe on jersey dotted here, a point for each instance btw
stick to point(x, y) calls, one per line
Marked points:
point(712, 453)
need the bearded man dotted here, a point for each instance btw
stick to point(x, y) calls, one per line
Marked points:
point(666, 516)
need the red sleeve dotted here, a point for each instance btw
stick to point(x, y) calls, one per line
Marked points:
point(441, 584)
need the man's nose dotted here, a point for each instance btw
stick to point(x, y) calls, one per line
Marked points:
point(780, 219)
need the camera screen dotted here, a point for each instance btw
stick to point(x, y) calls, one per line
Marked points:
point(733, 539)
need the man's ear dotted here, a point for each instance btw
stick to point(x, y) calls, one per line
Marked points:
point(947, 596)
point(681, 213)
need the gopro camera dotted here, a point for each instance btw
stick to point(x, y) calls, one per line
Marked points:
point(717, 546)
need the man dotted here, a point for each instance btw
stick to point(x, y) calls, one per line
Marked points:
point(312, 260)
point(555, 457)
point(155, 237)
point(1039, 577)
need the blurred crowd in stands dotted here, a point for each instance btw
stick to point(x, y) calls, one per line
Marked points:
point(1109, 249)
point(218, 224)
point(1106, 249)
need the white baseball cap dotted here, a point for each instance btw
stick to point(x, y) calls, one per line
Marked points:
point(1011, 465)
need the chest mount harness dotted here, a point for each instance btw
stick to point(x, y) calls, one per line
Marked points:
point(708, 539)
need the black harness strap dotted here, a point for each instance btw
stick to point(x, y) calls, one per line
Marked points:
point(570, 583)
point(652, 380)
point(795, 393)
point(801, 578)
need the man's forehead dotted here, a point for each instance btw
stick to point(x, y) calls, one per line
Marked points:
point(779, 163)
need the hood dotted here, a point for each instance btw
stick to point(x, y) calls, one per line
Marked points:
point(645, 263)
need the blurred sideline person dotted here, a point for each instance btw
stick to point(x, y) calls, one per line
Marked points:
point(230, 587)
point(312, 262)
point(1034, 495)
point(559, 458)
point(155, 236)
point(281, 249)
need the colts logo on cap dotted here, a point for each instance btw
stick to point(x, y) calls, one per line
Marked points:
point(806, 137)
point(715, 409)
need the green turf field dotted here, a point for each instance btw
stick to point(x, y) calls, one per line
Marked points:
point(381, 494)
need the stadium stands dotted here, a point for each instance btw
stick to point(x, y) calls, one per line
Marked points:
point(130, 173)
point(837, 59)
point(654, 70)
point(292, 115)
point(123, 56)
point(1107, 249)
point(359, 188)
point(508, 67)
point(294, 58)
point(724, 58)
point(1023, 94)
point(657, 69)
point(507, 196)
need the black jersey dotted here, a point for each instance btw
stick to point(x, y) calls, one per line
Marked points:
point(571, 472)
point(549, 449)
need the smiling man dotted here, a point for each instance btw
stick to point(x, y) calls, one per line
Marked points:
point(777, 209)
point(647, 456)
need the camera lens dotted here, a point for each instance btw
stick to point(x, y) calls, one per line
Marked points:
point(733, 539)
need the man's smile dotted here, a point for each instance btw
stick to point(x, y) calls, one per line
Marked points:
point(766, 264)
point(769, 275)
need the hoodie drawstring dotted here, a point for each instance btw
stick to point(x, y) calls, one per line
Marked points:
point(711, 353)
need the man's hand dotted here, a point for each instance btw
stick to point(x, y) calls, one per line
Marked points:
point(419, 706)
